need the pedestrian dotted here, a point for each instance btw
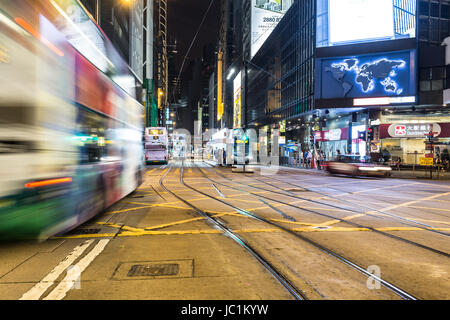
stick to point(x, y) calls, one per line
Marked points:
point(224, 158)
point(319, 159)
point(398, 163)
point(305, 159)
point(309, 159)
point(322, 159)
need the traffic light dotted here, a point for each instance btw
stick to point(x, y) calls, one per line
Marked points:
point(311, 139)
point(370, 133)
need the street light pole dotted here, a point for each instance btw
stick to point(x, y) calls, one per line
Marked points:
point(244, 111)
point(97, 11)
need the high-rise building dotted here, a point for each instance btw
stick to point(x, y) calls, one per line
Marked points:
point(331, 69)
point(162, 68)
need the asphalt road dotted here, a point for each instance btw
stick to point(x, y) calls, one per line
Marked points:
point(194, 231)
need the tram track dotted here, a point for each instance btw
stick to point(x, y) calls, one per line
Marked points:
point(404, 221)
point(291, 288)
point(401, 293)
point(354, 224)
point(427, 226)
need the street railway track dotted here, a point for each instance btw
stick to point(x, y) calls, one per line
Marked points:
point(354, 224)
point(427, 226)
point(405, 221)
point(401, 293)
point(291, 288)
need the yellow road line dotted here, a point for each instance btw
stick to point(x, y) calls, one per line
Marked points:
point(405, 204)
point(127, 210)
point(213, 231)
point(191, 220)
point(82, 236)
point(428, 208)
point(174, 223)
point(432, 221)
point(383, 188)
point(331, 229)
point(293, 222)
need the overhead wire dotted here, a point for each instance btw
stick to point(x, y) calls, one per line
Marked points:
point(190, 47)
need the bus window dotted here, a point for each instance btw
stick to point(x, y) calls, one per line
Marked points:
point(90, 136)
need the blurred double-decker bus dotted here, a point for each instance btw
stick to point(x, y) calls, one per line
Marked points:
point(70, 126)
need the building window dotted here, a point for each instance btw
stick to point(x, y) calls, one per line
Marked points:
point(432, 79)
point(434, 20)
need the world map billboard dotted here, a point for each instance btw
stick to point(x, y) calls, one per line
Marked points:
point(382, 75)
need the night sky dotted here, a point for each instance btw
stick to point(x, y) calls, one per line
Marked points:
point(184, 18)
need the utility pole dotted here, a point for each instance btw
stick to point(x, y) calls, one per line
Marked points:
point(244, 111)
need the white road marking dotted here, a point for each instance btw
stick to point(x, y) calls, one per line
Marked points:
point(39, 289)
point(65, 285)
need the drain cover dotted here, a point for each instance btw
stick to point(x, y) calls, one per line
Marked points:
point(83, 231)
point(153, 270)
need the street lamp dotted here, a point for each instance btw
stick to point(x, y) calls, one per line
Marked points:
point(232, 71)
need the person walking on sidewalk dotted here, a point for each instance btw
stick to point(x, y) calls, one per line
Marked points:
point(398, 163)
point(305, 159)
point(309, 159)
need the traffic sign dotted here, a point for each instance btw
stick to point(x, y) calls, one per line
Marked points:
point(426, 161)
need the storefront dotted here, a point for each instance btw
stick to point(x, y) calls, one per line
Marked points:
point(332, 141)
point(341, 135)
point(407, 140)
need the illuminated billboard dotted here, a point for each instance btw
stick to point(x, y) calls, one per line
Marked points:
point(266, 14)
point(341, 22)
point(381, 75)
point(237, 102)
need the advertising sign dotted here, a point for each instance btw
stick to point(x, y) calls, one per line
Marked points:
point(426, 161)
point(352, 20)
point(382, 75)
point(342, 22)
point(266, 14)
point(237, 98)
point(136, 38)
point(332, 135)
point(413, 130)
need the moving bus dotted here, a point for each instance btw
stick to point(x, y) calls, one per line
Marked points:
point(70, 128)
point(156, 145)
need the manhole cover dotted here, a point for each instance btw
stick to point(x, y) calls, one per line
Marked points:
point(155, 270)
point(83, 231)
